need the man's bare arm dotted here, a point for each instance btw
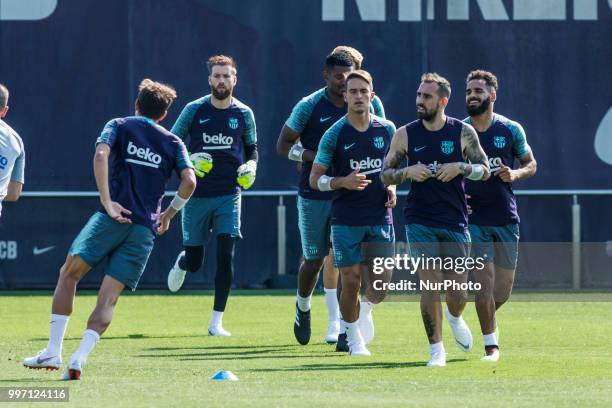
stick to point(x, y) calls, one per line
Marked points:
point(14, 191)
point(287, 139)
point(472, 151)
point(391, 173)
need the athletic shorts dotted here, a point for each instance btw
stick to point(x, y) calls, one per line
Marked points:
point(437, 242)
point(313, 222)
point(127, 247)
point(496, 244)
point(202, 216)
point(354, 245)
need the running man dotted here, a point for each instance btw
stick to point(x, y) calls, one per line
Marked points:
point(222, 141)
point(298, 141)
point(494, 220)
point(143, 155)
point(361, 220)
point(436, 147)
point(12, 156)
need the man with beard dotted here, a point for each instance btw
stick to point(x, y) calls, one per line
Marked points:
point(494, 221)
point(436, 147)
point(361, 220)
point(223, 147)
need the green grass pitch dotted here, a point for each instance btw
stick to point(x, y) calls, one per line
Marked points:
point(156, 353)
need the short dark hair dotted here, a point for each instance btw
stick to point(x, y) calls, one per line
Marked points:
point(220, 60)
point(488, 77)
point(363, 75)
point(355, 55)
point(4, 95)
point(444, 89)
point(338, 59)
point(154, 98)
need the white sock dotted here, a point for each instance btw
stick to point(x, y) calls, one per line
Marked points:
point(56, 334)
point(304, 302)
point(89, 341)
point(436, 348)
point(342, 326)
point(353, 335)
point(490, 339)
point(452, 319)
point(216, 319)
point(331, 300)
point(365, 305)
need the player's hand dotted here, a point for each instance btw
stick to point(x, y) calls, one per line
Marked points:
point(417, 172)
point(449, 171)
point(116, 212)
point(506, 174)
point(391, 198)
point(246, 174)
point(163, 223)
point(469, 209)
point(356, 181)
point(202, 163)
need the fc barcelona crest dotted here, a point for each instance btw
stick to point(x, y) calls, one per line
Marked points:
point(233, 123)
point(379, 142)
point(447, 146)
point(499, 141)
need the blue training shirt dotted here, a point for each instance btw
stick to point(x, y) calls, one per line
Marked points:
point(493, 202)
point(142, 159)
point(222, 133)
point(311, 117)
point(434, 203)
point(344, 149)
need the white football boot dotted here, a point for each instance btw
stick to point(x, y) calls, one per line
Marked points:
point(42, 360)
point(461, 331)
point(176, 276)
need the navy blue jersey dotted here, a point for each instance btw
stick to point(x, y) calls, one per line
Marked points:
point(344, 149)
point(143, 156)
point(311, 118)
point(433, 203)
point(492, 201)
point(222, 133)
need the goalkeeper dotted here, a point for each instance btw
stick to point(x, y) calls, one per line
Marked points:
point(220, 135)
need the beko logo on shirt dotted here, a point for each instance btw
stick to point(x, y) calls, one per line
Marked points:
point(368, 164)
point(3, 162)
point(433, 167)
point(495, 163)
point(151, 159)
point(221, 141)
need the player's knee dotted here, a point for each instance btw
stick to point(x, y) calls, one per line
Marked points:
point(70, 270)
point(502, 295)
point(193, 258)
point(351, 281)
point(456, 296)
point(312, 265)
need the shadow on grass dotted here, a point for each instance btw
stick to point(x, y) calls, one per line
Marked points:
point(350, 365)
point(135, 336)
point(270, 351)
point(204, 357)
point(30, 380)
point(220, 347)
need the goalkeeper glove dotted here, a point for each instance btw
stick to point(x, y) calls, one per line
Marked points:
point(246, 174)
point(202, 163)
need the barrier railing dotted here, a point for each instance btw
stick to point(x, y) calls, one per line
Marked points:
point(281, 215)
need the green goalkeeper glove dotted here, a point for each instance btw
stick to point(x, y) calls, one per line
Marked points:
point(246, 174)
point(202, 163)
